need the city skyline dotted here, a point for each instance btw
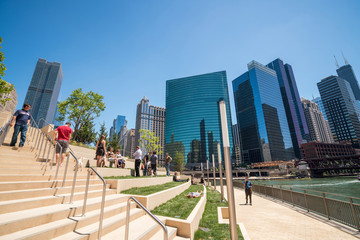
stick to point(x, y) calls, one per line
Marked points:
point(157, 43)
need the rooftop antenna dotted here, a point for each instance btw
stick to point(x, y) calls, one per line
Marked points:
point(336, 62)
point(346, 62)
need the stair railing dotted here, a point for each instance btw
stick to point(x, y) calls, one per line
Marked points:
point(4, 130)
point(102, 201)
point(148, 212)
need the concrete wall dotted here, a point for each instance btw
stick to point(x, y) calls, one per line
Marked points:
point(124, 184)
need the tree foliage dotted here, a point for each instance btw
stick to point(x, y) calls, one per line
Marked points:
point(149, 141)
point(5, 87)
point(179, 161)
point(86, 133)
point(115, 142)
point(80, 107)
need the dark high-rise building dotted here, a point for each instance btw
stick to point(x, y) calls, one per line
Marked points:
point(44, 90)
point(192, 124)
point(261, 117)
point(346, 72)
point(341, 109)
point(294, 111)
point(237, 145)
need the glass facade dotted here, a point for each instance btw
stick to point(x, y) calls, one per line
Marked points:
point(346, 72)
point(320, 104)
point(192, 123)
point(294, 111)
point(261, 116)
point(118, 123)
point(341, 109)
point(44, 90)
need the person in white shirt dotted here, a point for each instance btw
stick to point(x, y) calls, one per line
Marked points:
point(138, 156)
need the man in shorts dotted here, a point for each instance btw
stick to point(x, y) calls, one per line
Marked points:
point(62, 136)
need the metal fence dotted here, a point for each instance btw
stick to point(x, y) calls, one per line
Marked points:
point(344, 211)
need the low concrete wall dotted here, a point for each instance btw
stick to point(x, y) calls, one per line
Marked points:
point(187, 228)
point(156, 199)
point(124, 184)
point(109, 172)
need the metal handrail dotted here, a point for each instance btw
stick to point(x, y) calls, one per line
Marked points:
point(102, 201)
point(148, 212)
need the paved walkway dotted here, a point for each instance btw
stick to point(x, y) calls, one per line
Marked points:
point(267, 219)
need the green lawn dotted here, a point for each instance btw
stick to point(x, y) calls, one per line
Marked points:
point(151, 189)
point(209, 228)
point(180, 206)
point(130, 177)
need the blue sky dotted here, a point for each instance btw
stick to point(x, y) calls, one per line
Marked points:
point(125, 50)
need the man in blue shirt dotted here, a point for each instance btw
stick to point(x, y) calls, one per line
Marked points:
point(248, 191)
point(21, 119)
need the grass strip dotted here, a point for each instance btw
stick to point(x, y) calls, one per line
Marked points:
point(209, 228)
point(131, 177)
point(151, 189)
point(180, 206)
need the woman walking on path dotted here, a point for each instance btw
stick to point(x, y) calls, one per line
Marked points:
point(100, 151)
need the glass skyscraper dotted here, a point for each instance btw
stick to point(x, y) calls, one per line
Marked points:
point(294, 111)
point(346, 72)
point(320, 104)
point(341, 109)
point(44, 90)
point(261, 116)
point(192, 123)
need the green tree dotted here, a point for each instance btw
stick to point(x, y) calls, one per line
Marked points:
point(79, 107)
point(86, 133)
point(179, 161)
point(114, 142)
point(5, 87)
point(149, 141)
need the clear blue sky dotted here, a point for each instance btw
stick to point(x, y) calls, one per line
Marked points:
point(125, 50)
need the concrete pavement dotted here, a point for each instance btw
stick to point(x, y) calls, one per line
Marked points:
point(268, 219)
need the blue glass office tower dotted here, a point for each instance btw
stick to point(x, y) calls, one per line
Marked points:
point(261, 116)
point(44, 90)
point(294, 111)
point(192, 123)
point(346, 72)
point(119, 121)
point(341, 109)
point(320, 104)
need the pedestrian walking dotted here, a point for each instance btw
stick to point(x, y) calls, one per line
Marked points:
point(62, 136)
point(21, 119)
point(138, 156)
point(154, 162)
point(248, 190)
point(100, 151)
point(168, 160)
point(146, 161)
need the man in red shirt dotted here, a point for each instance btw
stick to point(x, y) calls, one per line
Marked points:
point(62, 136)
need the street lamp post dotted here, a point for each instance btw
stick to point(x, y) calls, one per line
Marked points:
point(228, 170)
point(214, 171)
point(220, 173)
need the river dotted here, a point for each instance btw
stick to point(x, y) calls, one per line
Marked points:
point(347, 186)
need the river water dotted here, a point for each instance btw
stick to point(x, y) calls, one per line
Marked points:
point(347, 186)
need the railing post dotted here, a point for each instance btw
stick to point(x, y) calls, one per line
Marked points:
point(306, 202)
point(46, 142)
point(127, 220)
point(42, 141)
point(354, 214)
point(58, 163)
point(74, 180)
point(325, 205)
point(66, 167)
point(292, 197)
point(37, 139)
point(53, 157)
point(86, 193)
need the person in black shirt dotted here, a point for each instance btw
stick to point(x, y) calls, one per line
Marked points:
point(21, 119)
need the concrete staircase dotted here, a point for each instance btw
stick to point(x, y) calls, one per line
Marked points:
point(34, 206)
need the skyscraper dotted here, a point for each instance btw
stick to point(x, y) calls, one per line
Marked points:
point(319, 128)
point(237, 145)
point(44, 90)
point(193, 125)
point(151, 118)
point(118, 123)
point(261, 116)
point(320, 104)
point(346, 72)
point(341, 109)
point(294, 112)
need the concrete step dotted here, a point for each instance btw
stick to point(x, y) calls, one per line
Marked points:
point(109, 224)
point(36, 177)
point(180, 238)
point(28, 203)
point(16, 221)
point(21, 185)
point(65, 225)
point(143, 228)
point(28, 193)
